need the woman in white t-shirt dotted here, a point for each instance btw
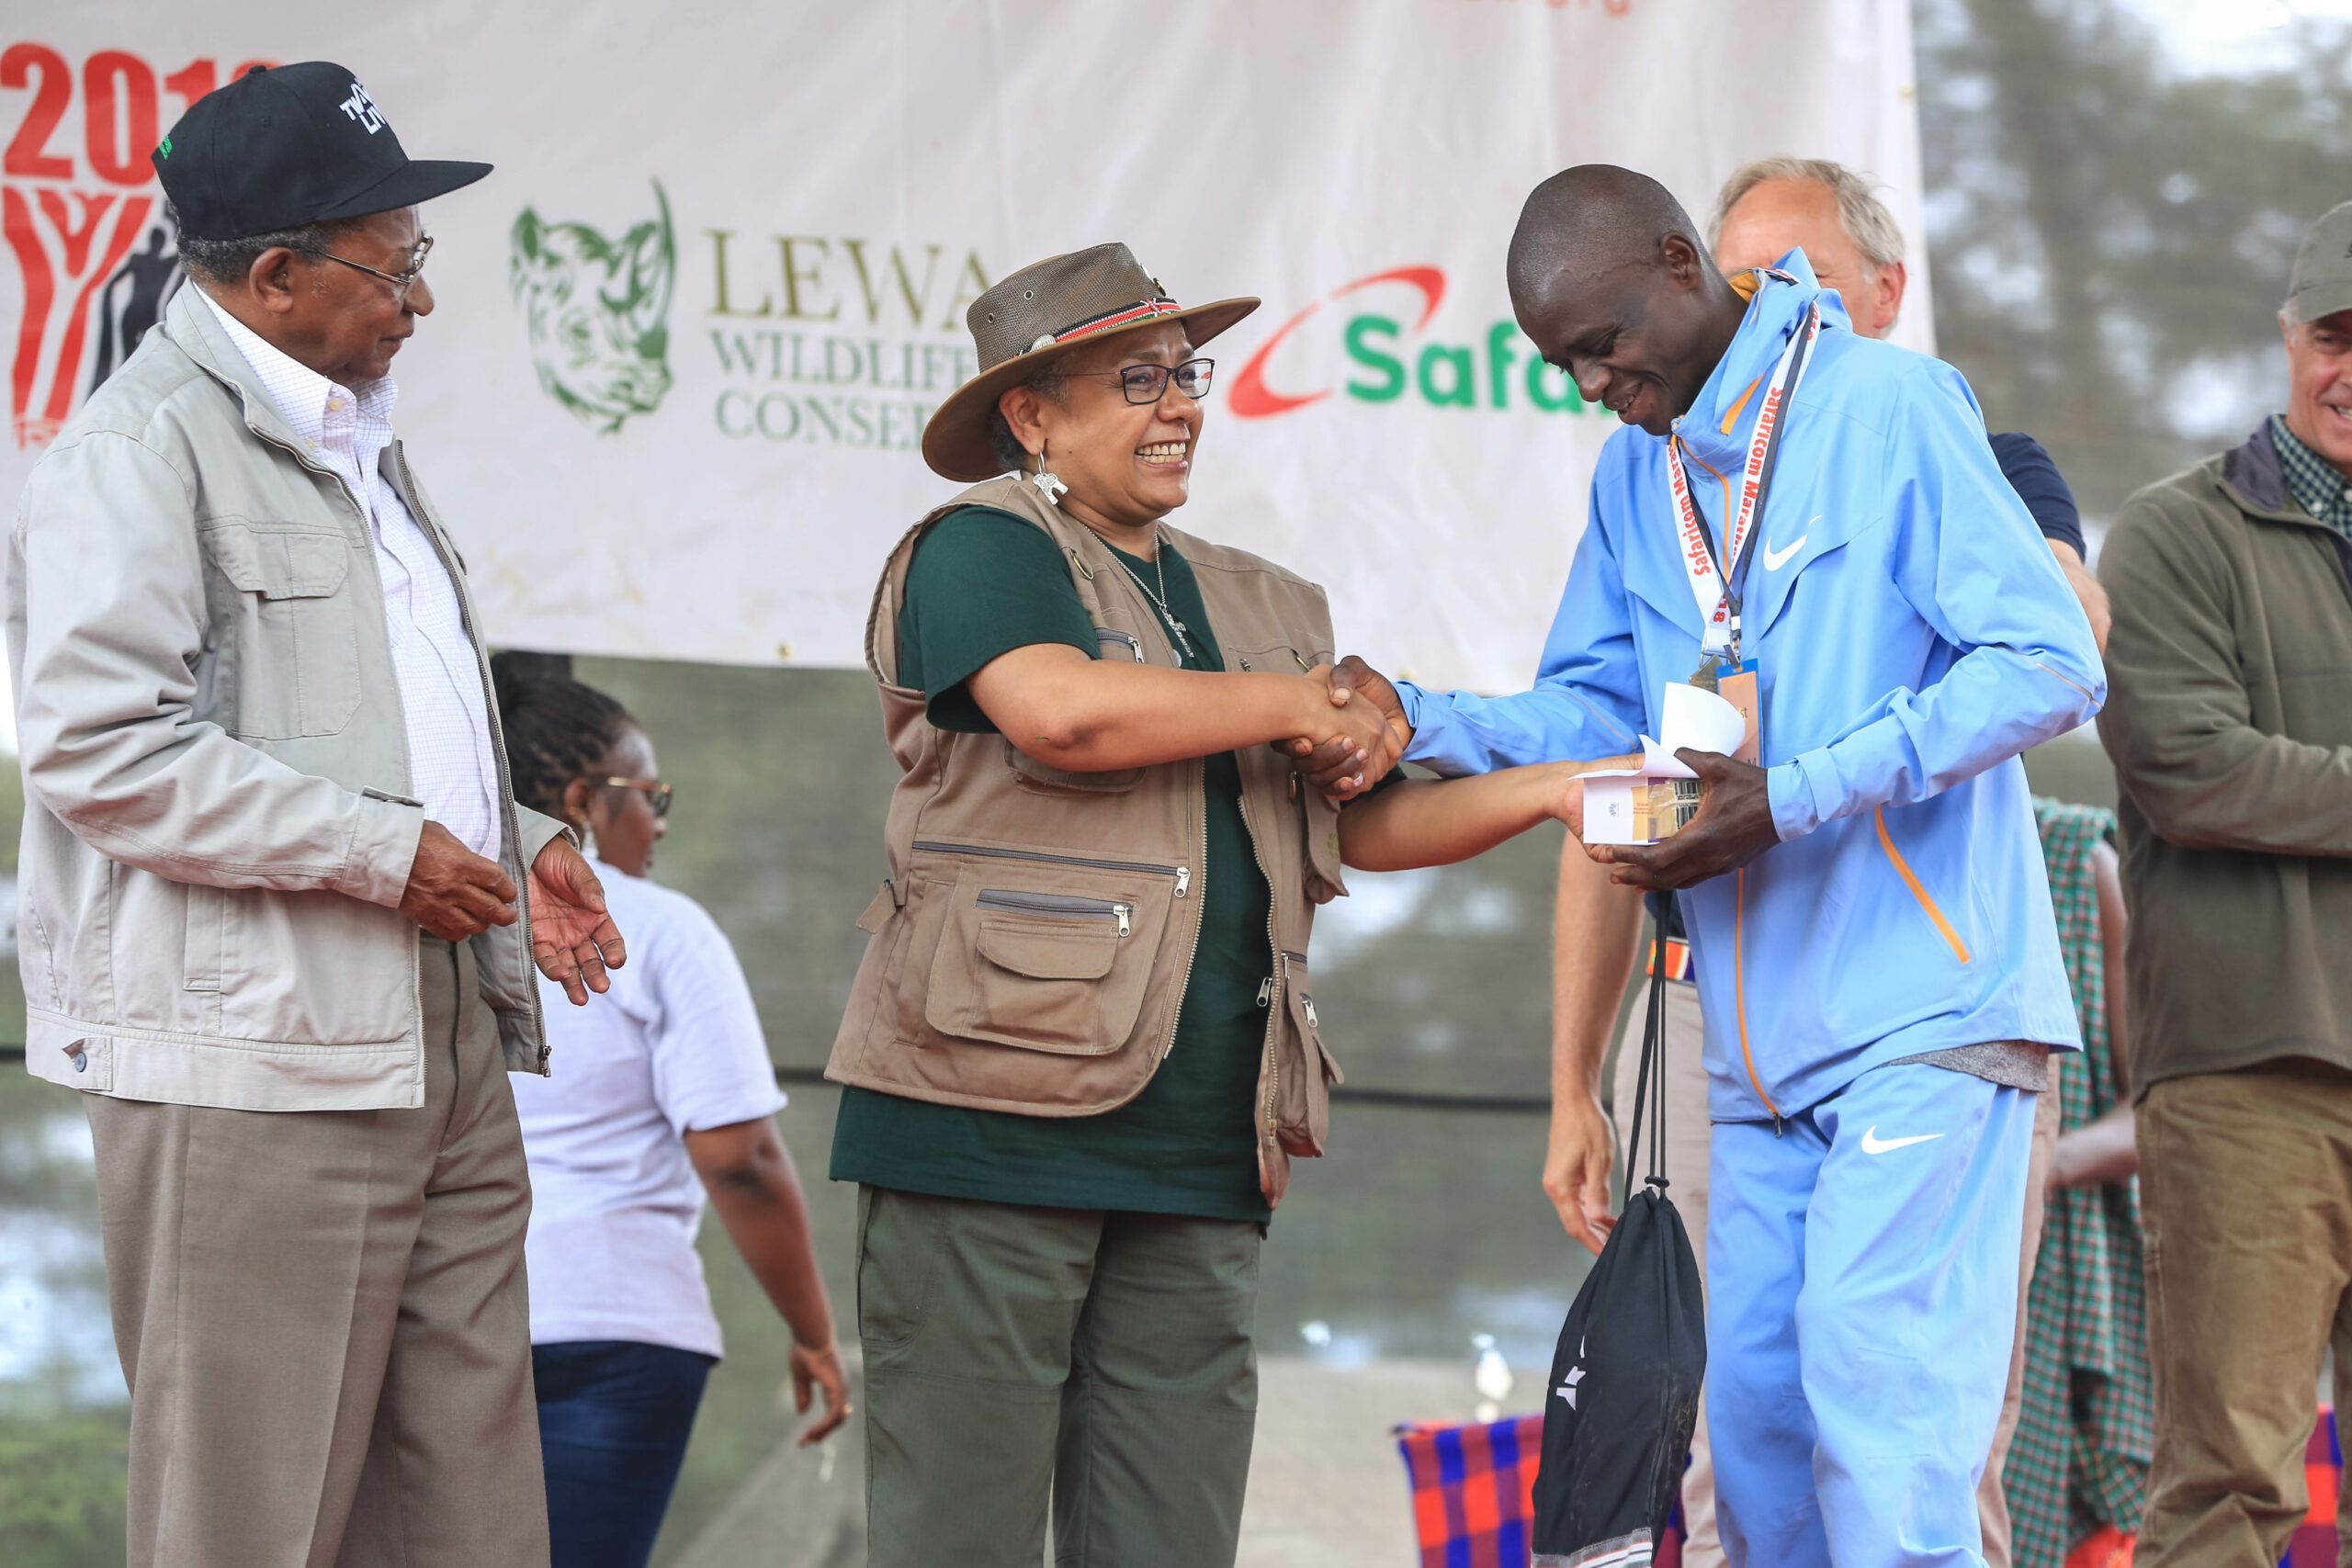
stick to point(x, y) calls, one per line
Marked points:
point(663, 1091)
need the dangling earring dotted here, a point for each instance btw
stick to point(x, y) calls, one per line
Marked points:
point(1048, 484)
point(587, 838)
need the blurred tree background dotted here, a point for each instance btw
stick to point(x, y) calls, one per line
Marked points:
point(2109, 235)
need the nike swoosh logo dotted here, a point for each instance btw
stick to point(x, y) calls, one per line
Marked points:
point(1874, 1145)
point(1775, 559)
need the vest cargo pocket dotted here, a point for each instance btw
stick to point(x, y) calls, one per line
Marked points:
point(1301, 1092)
point(1046, 779)
point(1047, 957)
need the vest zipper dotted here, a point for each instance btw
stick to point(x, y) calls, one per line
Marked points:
point(1282, 960)
point(1059, 906)
point(1106, 636)
point(1182, 873)
point(1183, 880)
point(1306, 1003)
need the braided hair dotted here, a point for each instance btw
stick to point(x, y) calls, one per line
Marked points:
point(557, 729)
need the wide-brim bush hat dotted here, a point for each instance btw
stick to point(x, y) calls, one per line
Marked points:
point(1034, 314)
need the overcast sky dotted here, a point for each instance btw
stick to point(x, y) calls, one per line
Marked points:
point(2231, 34)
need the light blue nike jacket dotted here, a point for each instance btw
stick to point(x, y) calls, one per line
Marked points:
point(1913, 635)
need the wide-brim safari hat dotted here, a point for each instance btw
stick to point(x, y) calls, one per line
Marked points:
point(1034, 314)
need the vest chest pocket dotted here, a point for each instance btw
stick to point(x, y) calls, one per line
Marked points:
point(1043, 778)
point(288, 625)
point(1047, 957)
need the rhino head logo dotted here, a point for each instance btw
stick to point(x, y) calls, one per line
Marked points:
point(598, 313)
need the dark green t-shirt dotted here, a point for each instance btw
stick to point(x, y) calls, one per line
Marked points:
point(983, 582)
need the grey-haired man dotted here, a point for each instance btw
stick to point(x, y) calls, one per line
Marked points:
point(2230, 724)
point(275, 923)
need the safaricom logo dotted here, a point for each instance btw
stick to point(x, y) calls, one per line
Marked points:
point(1387, 360)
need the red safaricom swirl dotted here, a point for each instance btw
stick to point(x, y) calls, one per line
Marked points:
point(1252, 398)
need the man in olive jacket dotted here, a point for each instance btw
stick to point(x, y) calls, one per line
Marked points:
point(2229, 719)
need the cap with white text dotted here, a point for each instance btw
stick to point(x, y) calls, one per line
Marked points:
point(287, 145)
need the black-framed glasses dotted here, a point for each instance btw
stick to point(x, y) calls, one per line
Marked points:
point(1148, 383)
point(400, 281)
point(657, 794)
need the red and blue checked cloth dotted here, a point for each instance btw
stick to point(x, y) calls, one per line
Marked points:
point(2314, 1545)
point(1473, 1489)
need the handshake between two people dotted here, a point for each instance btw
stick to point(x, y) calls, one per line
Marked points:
point(1436, 822)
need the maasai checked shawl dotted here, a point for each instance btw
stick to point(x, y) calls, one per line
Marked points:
point(2086, 1429)
point(1473, 1504)
point(1471, 1490)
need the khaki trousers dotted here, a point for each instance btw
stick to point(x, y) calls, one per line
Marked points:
point(2245, 1191)
point(322, 1320)
point(1687, 1159)
point(1014, 1354)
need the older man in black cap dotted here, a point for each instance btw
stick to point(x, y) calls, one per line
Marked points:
point(279, 907)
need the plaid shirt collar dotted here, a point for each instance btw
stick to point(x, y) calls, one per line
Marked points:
point(2312, 480)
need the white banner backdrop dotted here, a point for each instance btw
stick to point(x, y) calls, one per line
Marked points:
point(688, 332)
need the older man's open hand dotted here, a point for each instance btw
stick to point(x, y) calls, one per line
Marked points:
point(572, 934)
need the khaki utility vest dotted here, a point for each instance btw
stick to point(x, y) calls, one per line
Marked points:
point(1031, 946)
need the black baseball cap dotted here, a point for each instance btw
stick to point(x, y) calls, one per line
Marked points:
point(288, 145)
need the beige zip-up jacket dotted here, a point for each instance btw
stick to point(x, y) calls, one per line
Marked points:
point(219, 823)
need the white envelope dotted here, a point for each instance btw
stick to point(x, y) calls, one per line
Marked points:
point(1695, 718)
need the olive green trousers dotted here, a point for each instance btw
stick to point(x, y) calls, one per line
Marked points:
point(1015, 1355)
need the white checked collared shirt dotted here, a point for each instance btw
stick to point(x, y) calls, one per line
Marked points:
point(451, 767)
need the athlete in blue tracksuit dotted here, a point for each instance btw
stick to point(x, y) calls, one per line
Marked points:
point(1866, 979)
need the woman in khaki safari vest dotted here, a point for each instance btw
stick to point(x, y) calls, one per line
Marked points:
point(1083, 1045)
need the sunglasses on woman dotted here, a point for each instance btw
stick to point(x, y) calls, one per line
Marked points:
point(657, 794)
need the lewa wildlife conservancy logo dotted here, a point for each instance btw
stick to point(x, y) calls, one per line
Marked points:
point(597, 310)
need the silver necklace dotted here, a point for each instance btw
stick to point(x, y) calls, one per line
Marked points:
point(1158, 600)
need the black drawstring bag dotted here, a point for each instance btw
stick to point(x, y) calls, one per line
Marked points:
point(1624, 1391)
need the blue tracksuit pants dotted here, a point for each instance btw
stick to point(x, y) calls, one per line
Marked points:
point(1862, 1284)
